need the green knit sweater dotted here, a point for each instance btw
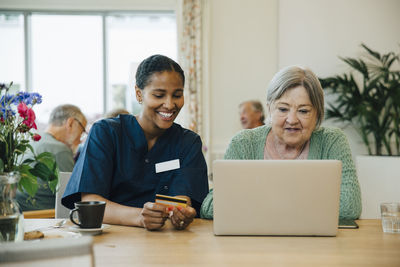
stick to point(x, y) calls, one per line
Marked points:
point(325, 143)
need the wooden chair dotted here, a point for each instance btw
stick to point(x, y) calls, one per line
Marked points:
point(39, 214)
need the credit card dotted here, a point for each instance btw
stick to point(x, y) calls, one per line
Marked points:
point(170, 201)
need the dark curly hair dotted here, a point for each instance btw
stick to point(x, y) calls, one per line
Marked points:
point(153, 64)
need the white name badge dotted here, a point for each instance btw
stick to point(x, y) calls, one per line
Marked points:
point(167, 165)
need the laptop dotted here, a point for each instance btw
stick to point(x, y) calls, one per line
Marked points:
point(276, 197)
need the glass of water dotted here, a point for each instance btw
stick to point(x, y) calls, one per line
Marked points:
point(390, 213)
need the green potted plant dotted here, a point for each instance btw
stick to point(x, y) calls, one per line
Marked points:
point(17, 120)
point(368, 98)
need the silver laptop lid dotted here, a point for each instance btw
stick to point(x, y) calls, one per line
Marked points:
point(276, 197)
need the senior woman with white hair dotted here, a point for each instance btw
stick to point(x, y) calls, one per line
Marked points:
point(295, 105)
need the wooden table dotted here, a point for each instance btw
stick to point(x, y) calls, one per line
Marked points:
point(197, 246)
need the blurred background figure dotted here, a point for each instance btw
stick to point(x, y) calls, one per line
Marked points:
point(62, 136)
point(251, 114)
point(115, 112)
point(111, 114)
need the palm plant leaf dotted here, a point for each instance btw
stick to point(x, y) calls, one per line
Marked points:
point(371, 103)
point(358, 65)
point(371, 52)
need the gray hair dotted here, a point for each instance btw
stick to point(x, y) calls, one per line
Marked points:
point(257, 106)
point(63, 112)
point(291, 77)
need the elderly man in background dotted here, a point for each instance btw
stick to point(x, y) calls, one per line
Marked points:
point(251, 114)
point(63, 135)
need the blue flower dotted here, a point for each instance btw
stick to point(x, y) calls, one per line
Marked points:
point(28, 98)
point(21, 97)
point(36, 98)
point(5, 100)
point(6, 112)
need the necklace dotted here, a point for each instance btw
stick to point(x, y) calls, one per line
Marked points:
point(282, 157)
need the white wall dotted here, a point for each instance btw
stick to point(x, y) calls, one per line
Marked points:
point(250, 40)
point(314, 33)
point(242, 60)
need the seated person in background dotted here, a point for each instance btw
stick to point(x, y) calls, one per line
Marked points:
point(251, 114)
point(66, 125)
point(111, 114)
point(115, 112)
point(295, 104)
point(120, 159)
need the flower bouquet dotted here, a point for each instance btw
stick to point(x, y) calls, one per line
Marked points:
point(17, 119)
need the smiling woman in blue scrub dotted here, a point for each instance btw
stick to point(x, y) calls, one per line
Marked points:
point(127, 160)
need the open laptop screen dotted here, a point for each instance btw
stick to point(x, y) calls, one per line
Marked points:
point(276, 197)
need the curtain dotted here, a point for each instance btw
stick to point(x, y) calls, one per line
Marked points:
point(190, 49)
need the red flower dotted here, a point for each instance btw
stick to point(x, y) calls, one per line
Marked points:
point(36, 137)
point(30, 121)
point(28, 114)
point(22, 109)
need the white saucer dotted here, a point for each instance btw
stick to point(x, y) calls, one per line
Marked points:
point(89, 231)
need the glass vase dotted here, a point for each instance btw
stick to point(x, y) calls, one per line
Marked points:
point(11, 217)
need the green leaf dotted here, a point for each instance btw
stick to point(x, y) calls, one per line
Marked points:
point(372, 52)
point(358, 65)
point(1, 166)
point(53, 184)
point(28, 181)
point(27, 161)
point(45, 155)
point(21, 147)
point(47, 159)
point(41, 170)
point(45, 168)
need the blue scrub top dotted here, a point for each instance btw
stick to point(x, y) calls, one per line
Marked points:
point(115, 163)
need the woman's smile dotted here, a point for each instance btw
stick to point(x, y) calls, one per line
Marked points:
point(166, 115)
point(292, 129)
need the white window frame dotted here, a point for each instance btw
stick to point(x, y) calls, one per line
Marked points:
point(82, 7)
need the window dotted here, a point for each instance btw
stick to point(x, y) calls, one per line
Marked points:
point(12, 50)
point(88, 60)
point(67, 63)
point(130, 40)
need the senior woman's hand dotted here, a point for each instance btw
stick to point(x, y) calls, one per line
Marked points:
point(182, 217)
point(153, 216)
